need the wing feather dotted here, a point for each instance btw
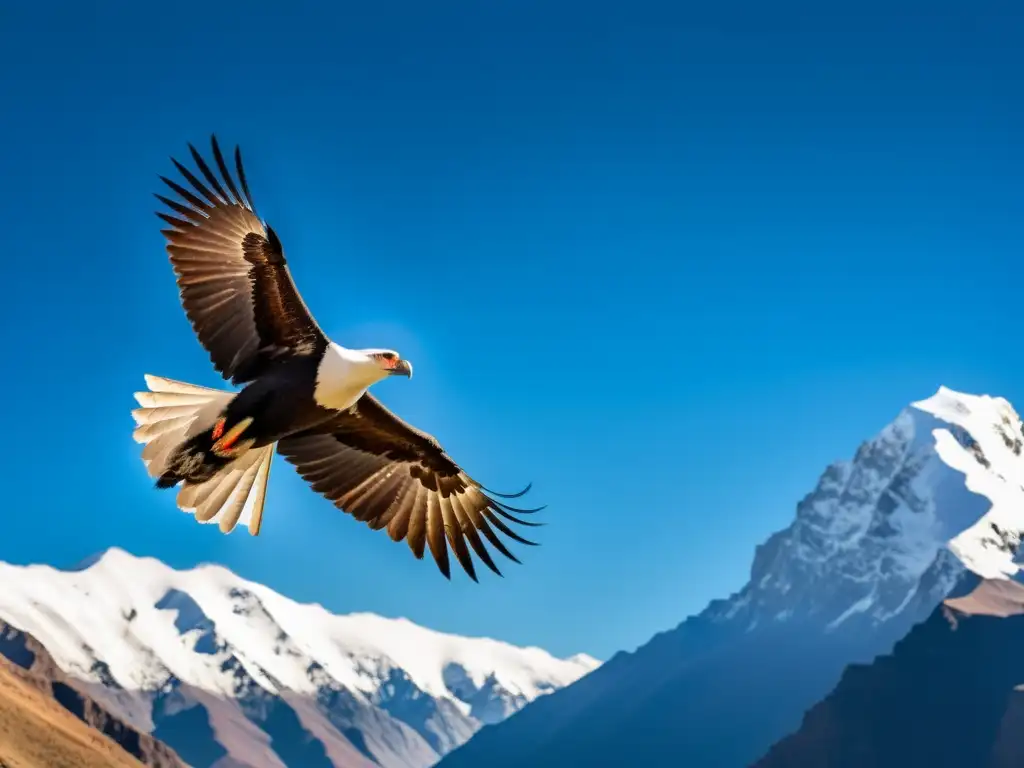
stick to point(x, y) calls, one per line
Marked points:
point(389, 475)
point(232, 275)
point(436, 534)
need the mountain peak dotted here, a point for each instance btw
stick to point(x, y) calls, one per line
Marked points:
point(947, 472)
point(862, 539)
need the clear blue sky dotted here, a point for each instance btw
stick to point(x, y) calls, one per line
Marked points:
point(666, 260)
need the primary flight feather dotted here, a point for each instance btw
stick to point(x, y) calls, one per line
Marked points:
point(302, 394)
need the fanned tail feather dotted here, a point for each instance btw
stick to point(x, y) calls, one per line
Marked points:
point(173, 412)
point(235, 494)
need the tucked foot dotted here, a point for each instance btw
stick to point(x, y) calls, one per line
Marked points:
point(226, 444)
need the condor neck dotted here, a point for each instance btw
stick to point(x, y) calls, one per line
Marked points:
point(342, 377)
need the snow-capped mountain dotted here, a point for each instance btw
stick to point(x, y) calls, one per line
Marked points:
point(958, 674)
point(863, 539)
point(867, 556)
point(229, 672)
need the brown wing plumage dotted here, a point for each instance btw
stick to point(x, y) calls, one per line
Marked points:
point(231, 271)
point(387, 474)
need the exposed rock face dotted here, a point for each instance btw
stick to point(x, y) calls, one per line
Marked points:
point(39, 670)
point(864, 560)
point(949, 694)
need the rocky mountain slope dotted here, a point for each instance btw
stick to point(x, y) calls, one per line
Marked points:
point(864, 560)
point(951, 691)
point(948, 695)
point(46, 722)
point(232, 674)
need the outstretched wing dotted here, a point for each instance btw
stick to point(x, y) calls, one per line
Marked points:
point(232, 274)
point(387, 474)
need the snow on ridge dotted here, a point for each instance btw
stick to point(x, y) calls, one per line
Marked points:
point(872, 533)
point(985, 445)
point(149, 623)
point(584, 660)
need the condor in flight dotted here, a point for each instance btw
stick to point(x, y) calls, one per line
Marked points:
point(302, 394)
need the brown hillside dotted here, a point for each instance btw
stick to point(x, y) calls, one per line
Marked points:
point(28, 666)
point(37, 732)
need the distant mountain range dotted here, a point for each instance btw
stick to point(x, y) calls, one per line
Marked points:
point(873, 549)
point(231, 674)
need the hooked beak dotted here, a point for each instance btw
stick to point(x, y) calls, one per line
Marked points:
point(402, 368)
